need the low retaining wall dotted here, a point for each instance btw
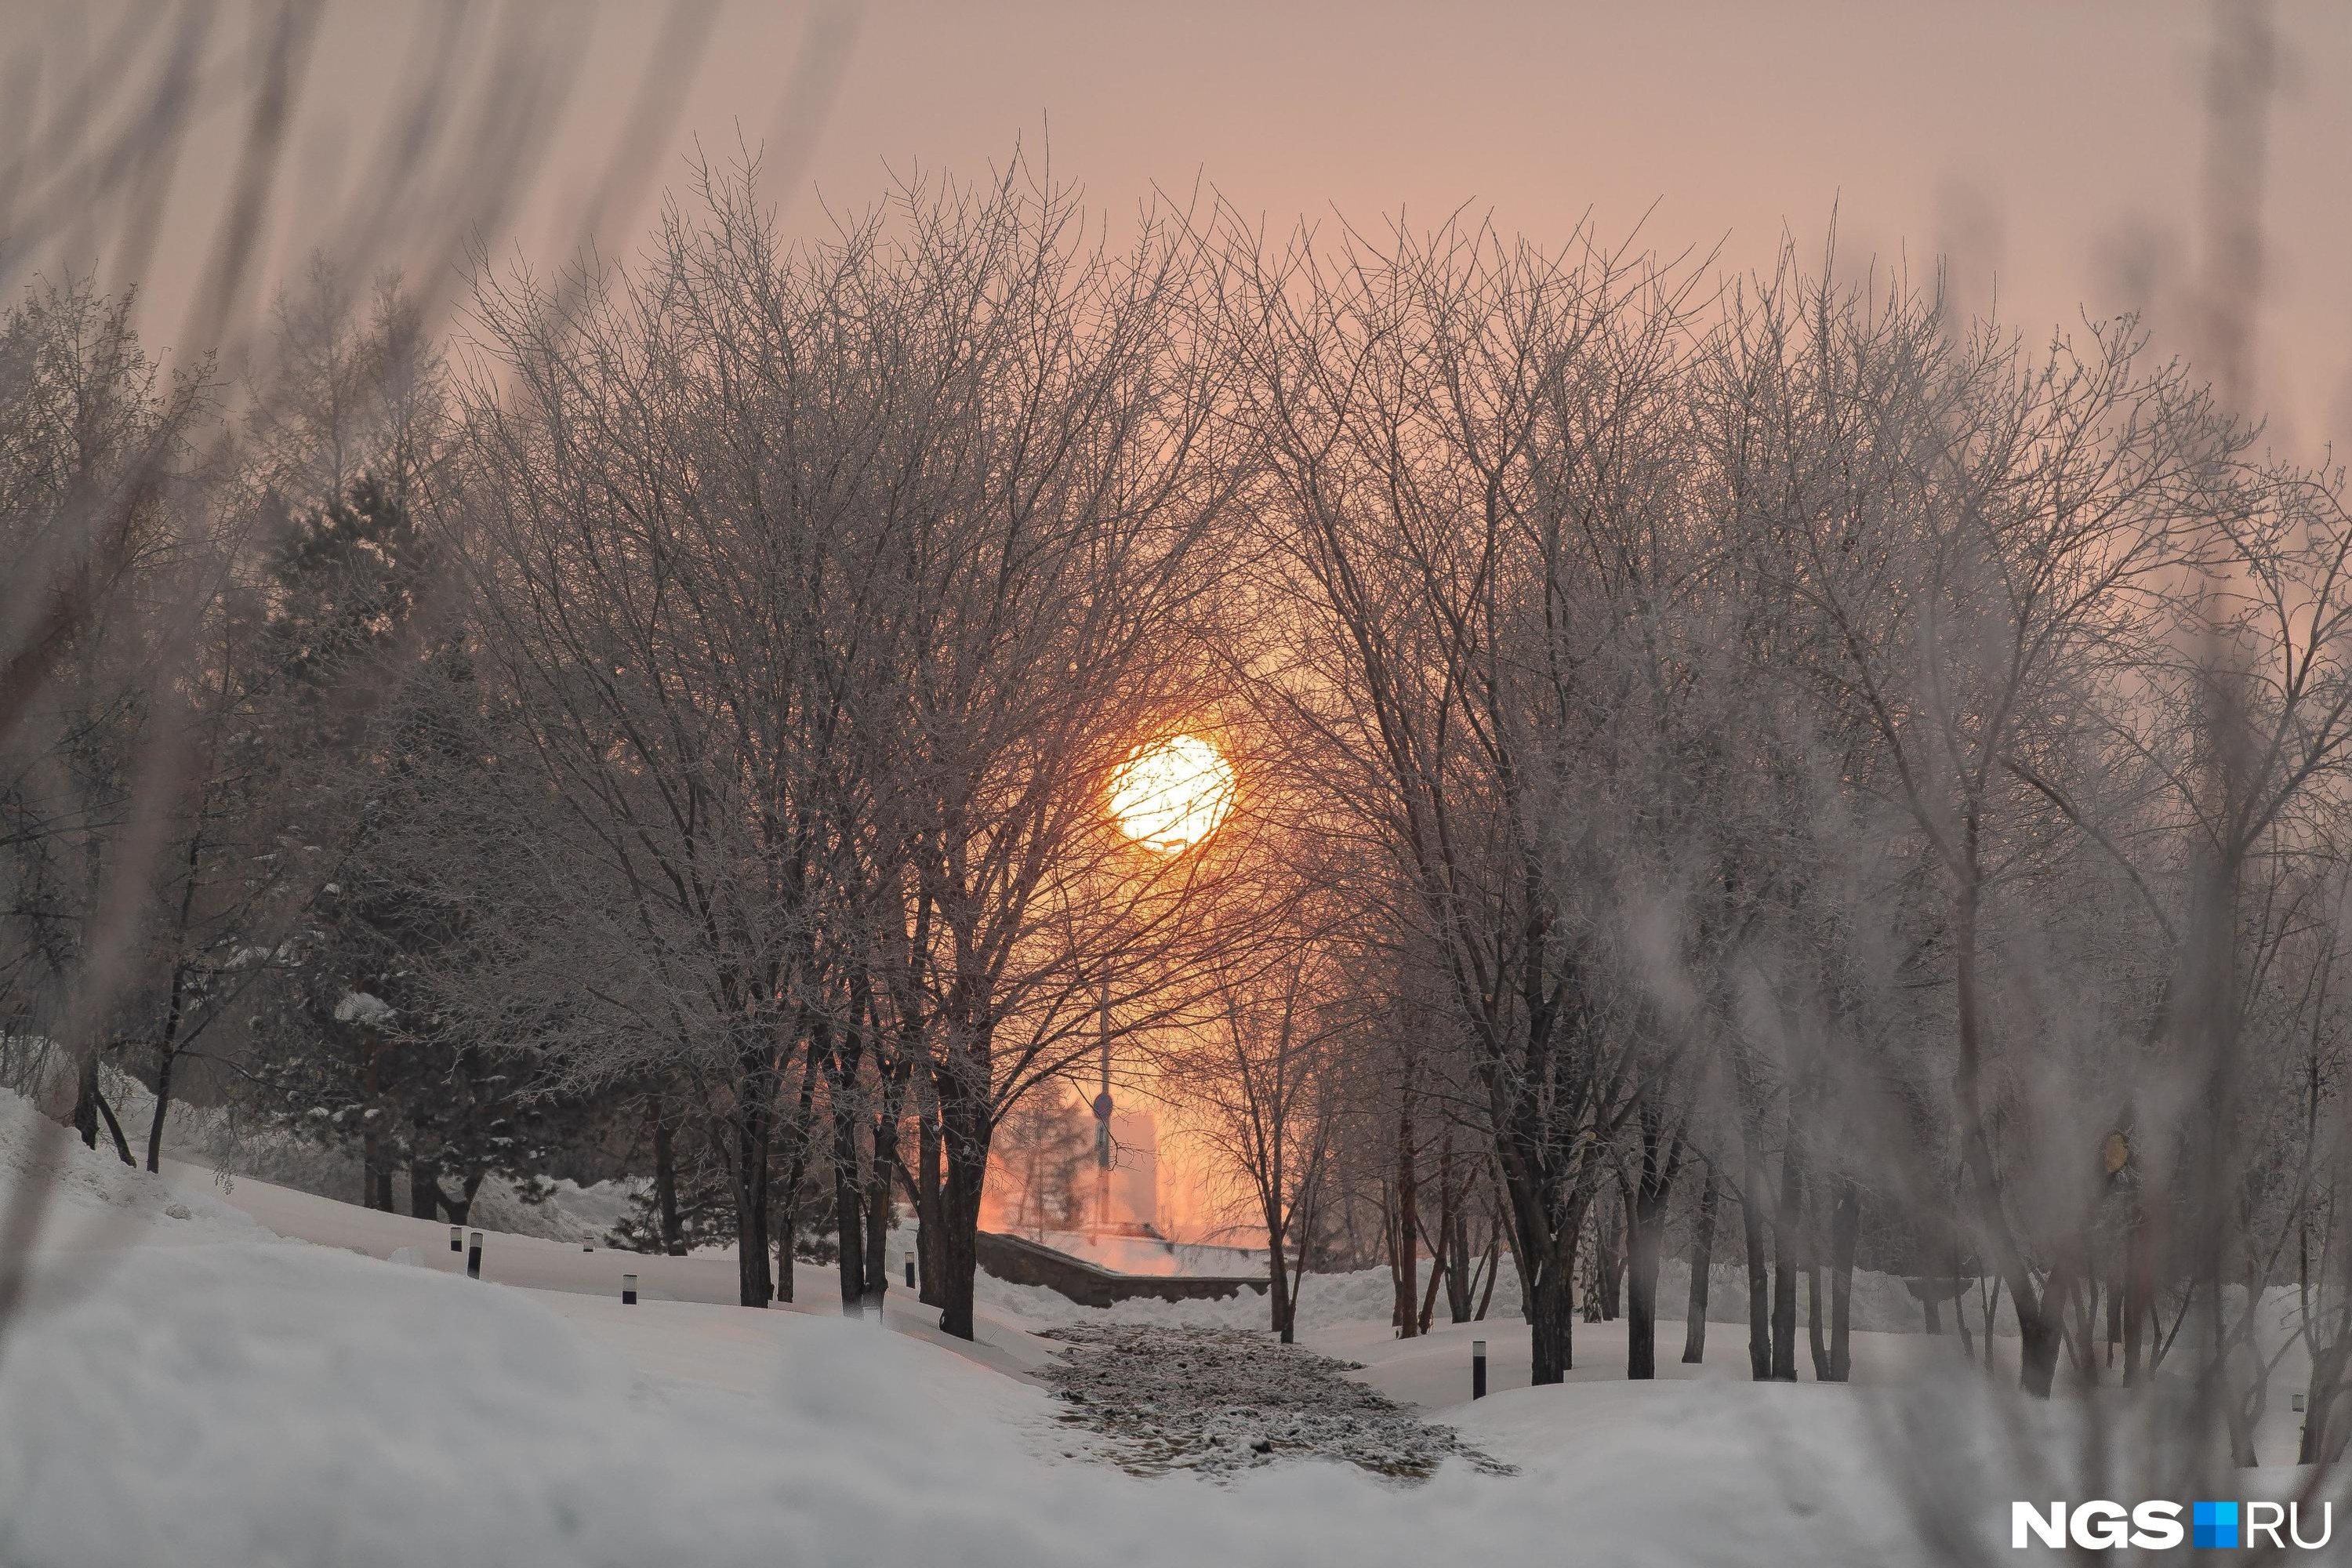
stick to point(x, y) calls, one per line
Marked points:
point(1024, 1262)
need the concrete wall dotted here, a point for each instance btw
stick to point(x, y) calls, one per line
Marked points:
point(1024, 1262)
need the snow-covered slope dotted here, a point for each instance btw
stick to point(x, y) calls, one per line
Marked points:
point(241, 1404)
point(94, 1200)
point(249, 1401)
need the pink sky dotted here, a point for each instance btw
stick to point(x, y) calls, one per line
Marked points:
point(2049, 148)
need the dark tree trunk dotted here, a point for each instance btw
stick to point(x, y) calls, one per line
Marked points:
point(672, 1233)
point(424, 1188)
point(784, 1214)
point(848, 1205)
point(841, 1059)
point(114, 1131)
point(1282, 1284)
point(1751, 1224)
point(1539, 1212)
point(85, 1111)
point(754, 1285)
point(1846, 1232)
point(1642, 1294)
point(1645, 1223)
point(966, 1148)
point(375, 1158)
point(797, 1136)
point(752, 1125)
point(1816, 1319)
point(1702, 1264)
point(1610, 1269)
point(164, 1061)
point(1458, 1278)
point(1440, 1250)
point(967, 1125)
point(1551, 1318)
point(884, 1162)
point(930, 1210)
point(1404, 1234)
point(1786, 1246)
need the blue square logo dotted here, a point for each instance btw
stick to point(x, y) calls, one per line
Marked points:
point(2213, 1524)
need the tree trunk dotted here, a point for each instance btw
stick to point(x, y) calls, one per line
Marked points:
point(1551, 1318)
point(1751, 1224)
point(1404, 1261)
point(1702, 1266)
point(879, 1211)
point(1547, 1267)
point(85, 1111)
point(1645, 1223)
point(930, 1211)
point(1429, 1291)
point(164, 1059)
point(1785, 1246)
point(1846, 1232)
point(966, 1129)
point(1458, 1277)
point(1611, 1269)
point(1641, 1289)
point(372, 1150)
point(847, 1202)
point(1816, 1318)
point(960, 1200)
point(754, 1144)
point(2038, 1344)
point(1283, 1302)
point(424, 1188)
point(785, 1220)
point(672, 1233)
point(798, 1135)
point(114, 1131)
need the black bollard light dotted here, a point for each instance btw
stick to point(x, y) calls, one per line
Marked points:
point(474, 1255)
point(628, 1290)
point(1477, 1369)
point(456, 1238)
point(911, 1271)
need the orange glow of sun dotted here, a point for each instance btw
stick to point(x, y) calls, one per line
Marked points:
point(1172, 794)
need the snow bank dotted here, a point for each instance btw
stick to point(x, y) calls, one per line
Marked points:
point(239, 1404)
point(255, 1402)
point(219, 1140)
point(90, 1192)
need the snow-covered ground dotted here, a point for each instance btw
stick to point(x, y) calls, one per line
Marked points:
point(199, 1391)
point(215, 1139)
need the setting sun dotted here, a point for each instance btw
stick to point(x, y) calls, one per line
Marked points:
point(1172, 795)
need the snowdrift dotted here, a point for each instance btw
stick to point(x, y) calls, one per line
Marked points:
point(250, 1401)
